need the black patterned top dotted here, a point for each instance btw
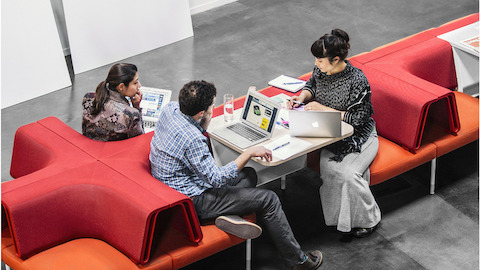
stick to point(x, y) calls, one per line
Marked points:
point(347, 91)
point(117, 120)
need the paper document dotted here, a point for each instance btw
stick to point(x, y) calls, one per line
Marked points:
point(287, 83)
point(472, 42)
point(286, 146)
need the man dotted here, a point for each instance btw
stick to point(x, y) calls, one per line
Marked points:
point(180, 157)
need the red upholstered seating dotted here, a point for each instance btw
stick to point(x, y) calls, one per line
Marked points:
point(85, 204)
point(468, 111)
point(400, 108)
point(455, 24)
point(57, 192)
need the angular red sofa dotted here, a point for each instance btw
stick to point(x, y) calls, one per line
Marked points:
point(98, 201)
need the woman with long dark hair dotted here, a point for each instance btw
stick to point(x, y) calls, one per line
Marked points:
point(336, 85)
point(113, 112)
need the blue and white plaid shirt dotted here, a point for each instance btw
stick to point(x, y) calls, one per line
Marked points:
point(180, 157)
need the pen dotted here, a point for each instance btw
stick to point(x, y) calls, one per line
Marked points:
point(280, 146)
point(287, 83)
point(299, 103)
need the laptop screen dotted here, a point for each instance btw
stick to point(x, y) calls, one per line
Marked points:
point(152, 102)
point(260, 113)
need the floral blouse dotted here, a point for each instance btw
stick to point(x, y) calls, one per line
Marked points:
point(117, 120)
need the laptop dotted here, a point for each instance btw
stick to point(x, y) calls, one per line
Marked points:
point(153, 100)
point(315, 124)
point(256, 124)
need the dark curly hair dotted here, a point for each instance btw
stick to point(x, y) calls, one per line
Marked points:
point(332, 45)
point(196, 96)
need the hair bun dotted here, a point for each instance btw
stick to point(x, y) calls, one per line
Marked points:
point(341, 34)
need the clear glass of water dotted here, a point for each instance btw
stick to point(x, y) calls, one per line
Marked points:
point(228, 107)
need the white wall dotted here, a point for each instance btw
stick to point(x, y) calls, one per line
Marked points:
point(103, 32)
point(197, 6)
point(33, 63)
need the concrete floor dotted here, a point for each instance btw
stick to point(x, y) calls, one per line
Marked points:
point(249, 42)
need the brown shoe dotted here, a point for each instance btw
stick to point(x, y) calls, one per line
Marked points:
point(314, 259)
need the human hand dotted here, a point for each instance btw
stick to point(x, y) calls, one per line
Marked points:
point(315, 106)
point(136, 99)
point(294, 102)
point(260, 151)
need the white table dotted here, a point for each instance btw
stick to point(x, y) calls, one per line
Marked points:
point(465, 57)
point(224, 152)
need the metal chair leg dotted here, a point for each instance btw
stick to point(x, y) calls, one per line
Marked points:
point(283, 182)
point(249, 254)
point(432, 175)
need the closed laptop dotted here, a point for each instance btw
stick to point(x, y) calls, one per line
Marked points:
point(326, 124)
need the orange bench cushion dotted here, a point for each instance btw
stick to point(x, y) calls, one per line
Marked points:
point(468, 111)
point(392, 160)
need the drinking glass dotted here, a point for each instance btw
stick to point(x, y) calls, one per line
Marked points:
point(228, 107)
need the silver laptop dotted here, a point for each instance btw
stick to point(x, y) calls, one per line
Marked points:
point(256, 123)
point(152, 102)
point(315, 124)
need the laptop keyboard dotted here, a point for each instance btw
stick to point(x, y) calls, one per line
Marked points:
point(148, 124)
point(246, 132)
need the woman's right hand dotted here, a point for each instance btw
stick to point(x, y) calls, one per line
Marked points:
point(295, 101)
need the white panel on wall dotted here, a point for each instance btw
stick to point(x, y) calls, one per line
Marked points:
point(33, 63)
point(103, 32)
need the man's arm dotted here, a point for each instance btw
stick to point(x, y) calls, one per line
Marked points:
point(254, 151)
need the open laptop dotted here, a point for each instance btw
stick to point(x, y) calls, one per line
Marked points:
point(152, 102)
point(256, 124)
point(315, 124)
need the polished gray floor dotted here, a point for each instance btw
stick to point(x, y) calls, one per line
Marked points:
point(249, 42)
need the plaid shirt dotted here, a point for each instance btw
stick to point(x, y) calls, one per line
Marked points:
point(180, 157)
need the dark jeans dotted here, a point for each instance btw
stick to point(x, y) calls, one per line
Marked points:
point(244, 198)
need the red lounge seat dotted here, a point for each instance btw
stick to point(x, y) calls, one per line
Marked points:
point(455, 24)
point(70, 167)
point(400, 108)
point(171, 251)
point(125, 213)
point(468, 111)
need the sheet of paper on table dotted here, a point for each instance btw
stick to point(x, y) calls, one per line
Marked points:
point(286, 146)
point(472, 42)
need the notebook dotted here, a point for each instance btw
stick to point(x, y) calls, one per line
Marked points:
point(152, 102)
point(287, 83)
point(315, 124)
point(256, 124)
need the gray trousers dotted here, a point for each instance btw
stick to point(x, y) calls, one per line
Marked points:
point(347, 201)
point(244, 198)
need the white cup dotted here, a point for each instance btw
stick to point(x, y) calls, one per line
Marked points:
point(228, 107)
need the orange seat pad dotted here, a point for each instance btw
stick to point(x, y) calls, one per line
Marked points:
point(392, 160)
point(468, 113)
point(78, 254)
